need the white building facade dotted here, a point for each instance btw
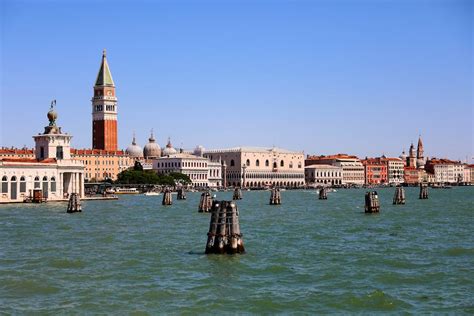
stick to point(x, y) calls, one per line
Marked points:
point(254, 167)
point(196, 168)
point(323, 174)
point(52, 171)
point(395, 170)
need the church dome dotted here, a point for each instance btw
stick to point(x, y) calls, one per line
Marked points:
point(134, 151)
point(403, 156)
point(152, 149)
point(169, 150)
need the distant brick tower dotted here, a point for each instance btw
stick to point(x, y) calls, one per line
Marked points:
point(104, 110)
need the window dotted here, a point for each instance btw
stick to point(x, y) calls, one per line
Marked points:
point(4, 184)
point(267, 163)
point(248, 162)
point(41, 152)
point(22, 185)
point(53, 184)
point(37, 182)
point(291, 164)
point(299, 165)
point(232, 163)
point(257, 163)
point(59, 152)
point(282, 163)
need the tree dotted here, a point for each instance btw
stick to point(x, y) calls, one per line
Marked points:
point(180, 178)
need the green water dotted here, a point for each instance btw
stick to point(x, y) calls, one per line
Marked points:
point(308, 256)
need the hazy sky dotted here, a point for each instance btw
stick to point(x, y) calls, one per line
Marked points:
point(360, 77)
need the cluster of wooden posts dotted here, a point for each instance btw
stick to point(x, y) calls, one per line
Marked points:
point(372, 204)
point(181, 194)
point(224, 234)
point(275, 197)
point(323, 194)
point(74, 203)
point(205, 204)
point(237, 194)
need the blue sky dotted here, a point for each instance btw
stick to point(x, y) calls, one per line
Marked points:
point(360, 77)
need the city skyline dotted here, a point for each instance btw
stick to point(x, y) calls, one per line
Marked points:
point(381, 102)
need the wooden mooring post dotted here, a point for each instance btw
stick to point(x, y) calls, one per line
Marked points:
point(224, 234)
point(167, 198)
point(205, 204)
point(372, 203)
point(181, 194)
point(423, 191)
point(74, 204)
point(323, 194)
point(399, 196)
point(237, 194)
point(275, 197)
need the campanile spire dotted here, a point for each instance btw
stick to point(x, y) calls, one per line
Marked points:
point(104, 109)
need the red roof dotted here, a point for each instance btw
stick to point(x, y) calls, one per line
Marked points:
point(443, 161)
point(99, 152)
point(336, 156)
point(28, 160)
point(22, 151)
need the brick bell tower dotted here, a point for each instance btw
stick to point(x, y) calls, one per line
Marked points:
point(104, 110)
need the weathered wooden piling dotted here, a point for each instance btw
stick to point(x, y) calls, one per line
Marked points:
point(237, 194)
point(372, 203)
point(399, 196)
point(181, 194)
point(423, 191)
point(224, 234)
point(323, 194)
point(275, 197)
point(167, 198)
point(74, 204)
point(205, 204)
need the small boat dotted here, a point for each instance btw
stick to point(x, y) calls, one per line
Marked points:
point(151, 193)
point(126, 191)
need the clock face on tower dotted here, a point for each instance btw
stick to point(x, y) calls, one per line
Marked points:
point(109, 92)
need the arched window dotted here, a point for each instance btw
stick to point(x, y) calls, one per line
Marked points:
point(4, 184)
point(291, 164)
point(232, 163)
point(257, 163)
point(248, 162)
point(299, 165)
point(275, 165)
point(37, 183)
point(282, 163)
point(22, 185)
point(45, 178)
point(267, 163)
point(53, 184)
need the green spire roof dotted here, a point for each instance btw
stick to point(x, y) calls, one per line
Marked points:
point(104, 77)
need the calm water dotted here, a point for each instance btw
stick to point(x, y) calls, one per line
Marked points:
point(134, 255)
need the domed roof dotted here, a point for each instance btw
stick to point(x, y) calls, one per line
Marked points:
point(199, 150)
point(403, 156)
point(152, 149)
point(169, 150)
point(134, 150)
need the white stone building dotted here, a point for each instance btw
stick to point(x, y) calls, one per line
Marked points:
point(445, 170)
point(323, 174)
point(395, 170)
point(52, 173)
point(254, 167)
point(196, 168)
